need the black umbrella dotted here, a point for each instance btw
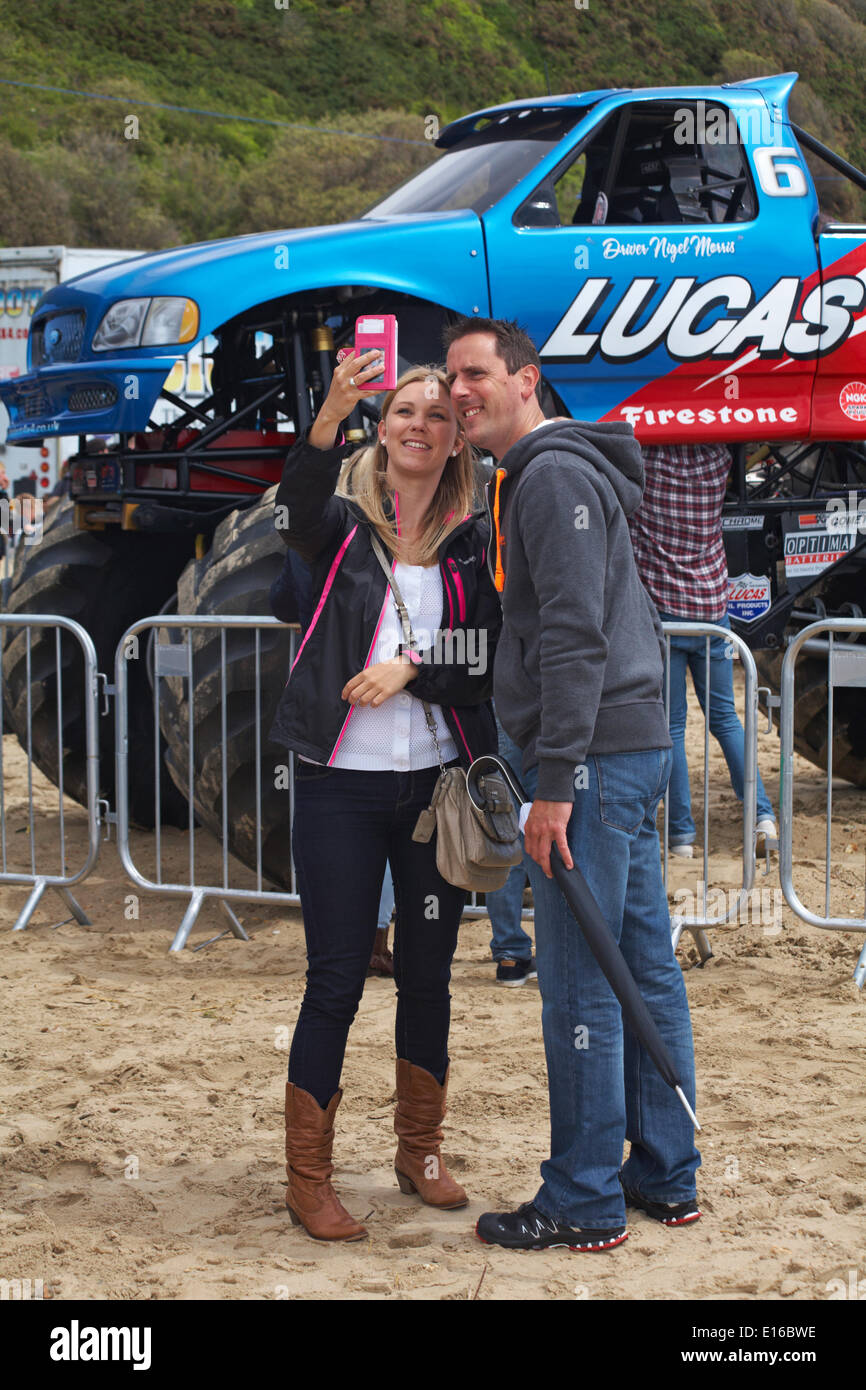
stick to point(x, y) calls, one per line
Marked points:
point(596, 932)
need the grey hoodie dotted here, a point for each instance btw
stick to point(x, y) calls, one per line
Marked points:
point(579, 666)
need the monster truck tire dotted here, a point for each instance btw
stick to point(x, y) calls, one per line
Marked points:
point(810, 716)
point(235, 577)
point(104, 582)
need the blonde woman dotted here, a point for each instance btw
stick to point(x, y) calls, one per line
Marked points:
point(367, 761)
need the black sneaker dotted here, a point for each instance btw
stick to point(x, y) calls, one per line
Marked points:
point(668, 1213)
point(529, 1229)
point(515, 972)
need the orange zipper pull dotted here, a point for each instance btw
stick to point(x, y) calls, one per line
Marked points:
point(499, 576)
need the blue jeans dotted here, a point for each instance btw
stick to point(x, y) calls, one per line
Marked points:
point(604, 1089)
point(689, 653)
point(505, 906)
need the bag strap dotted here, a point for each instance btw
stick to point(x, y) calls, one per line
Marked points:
point(408, 634)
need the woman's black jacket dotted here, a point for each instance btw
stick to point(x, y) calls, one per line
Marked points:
point(332, 535)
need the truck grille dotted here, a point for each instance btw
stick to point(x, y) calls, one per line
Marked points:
point(34, 405)
point(57, 338)
point(92, 397)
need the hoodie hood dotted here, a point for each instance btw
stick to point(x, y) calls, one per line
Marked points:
point(610, 448)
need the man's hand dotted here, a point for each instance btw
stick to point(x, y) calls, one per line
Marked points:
point(546, 825)
point(378, 683)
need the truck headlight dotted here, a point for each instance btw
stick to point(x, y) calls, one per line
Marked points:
point(170, 320)
point(130, 323)
point(121, 325)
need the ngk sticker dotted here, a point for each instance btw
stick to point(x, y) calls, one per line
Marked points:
point(748, 597)
point(852, 400)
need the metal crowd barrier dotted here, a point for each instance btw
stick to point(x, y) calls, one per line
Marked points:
point(171, 660)
point(846, 667)
point(39, 874)
point(174, 660)
point(697, 921)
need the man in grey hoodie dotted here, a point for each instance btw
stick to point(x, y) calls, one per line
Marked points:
point(578, 685)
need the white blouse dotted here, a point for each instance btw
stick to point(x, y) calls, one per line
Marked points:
point(393, 736)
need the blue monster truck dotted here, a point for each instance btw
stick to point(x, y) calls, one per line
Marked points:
point(686, 259)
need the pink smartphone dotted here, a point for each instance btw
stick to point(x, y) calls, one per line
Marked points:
point(379, 331)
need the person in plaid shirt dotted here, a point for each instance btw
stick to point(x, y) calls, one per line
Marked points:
point(676, 535)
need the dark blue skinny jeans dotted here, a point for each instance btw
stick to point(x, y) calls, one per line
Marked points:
point(347, 825)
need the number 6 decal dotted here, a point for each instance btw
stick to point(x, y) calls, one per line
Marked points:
point(769, 172)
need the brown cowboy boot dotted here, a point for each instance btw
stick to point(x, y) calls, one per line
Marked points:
point(310, 1198)
point(418, 1126)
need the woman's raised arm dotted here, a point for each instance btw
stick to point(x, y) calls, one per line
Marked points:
point(307, 515)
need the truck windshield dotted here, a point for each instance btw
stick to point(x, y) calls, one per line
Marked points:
point(480, 169)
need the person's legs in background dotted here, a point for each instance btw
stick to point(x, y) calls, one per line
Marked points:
point(681, 826)
point(725, 723)
point(510, 945)
point(382, 961)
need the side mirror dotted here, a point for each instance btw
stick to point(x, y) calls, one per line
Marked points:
point(540, 210)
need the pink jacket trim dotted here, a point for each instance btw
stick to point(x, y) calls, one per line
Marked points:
point(462, 735)
point(327, 589)
point(458, 584)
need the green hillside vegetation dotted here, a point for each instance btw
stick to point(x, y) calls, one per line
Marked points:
point(68, 174)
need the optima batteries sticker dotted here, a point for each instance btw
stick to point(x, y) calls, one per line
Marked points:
point(813, 542)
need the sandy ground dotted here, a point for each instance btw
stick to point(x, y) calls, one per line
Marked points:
point(141, 1098)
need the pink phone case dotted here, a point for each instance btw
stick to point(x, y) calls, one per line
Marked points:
point(379, 331)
